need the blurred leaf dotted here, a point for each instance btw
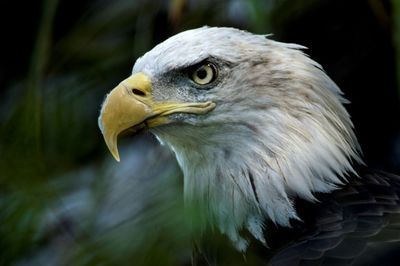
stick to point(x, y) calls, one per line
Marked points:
point(396, 37)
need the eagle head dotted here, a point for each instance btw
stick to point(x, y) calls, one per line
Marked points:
point(254, 123)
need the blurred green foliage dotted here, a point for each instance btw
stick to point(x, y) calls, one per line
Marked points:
point(61, 195)
point(396, 37)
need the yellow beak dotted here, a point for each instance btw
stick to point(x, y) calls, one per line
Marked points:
point(130, 106)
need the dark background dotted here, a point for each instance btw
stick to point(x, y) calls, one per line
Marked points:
point(63, 199)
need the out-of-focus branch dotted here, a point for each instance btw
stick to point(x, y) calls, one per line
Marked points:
point(396, 39)
point(37, 68)
point(175, 11)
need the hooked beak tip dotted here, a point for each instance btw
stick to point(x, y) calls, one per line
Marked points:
point(117, 159)
point(111, 142)
point(116, 155)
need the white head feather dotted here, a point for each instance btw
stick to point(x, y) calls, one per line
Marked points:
point(279, 130)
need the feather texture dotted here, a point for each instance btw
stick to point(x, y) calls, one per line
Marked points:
point(279, 130)
point(357, 225)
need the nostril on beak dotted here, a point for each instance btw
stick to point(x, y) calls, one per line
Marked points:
point(138, 92)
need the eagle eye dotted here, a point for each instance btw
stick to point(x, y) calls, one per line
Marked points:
point(204, 74)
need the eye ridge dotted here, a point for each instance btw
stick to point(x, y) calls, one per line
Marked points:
point(203, 73)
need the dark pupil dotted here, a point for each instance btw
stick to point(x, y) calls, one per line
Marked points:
point(201, 73)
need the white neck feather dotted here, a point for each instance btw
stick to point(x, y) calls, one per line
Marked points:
point(253, 155)
point(243, 178)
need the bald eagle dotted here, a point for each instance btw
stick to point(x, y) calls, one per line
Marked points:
point(265, 145)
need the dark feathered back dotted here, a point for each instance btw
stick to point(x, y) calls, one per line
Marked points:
point(357, 225)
